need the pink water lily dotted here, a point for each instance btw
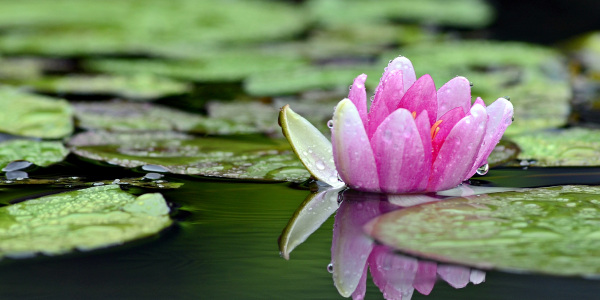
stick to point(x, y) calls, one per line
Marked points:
point(413, 138)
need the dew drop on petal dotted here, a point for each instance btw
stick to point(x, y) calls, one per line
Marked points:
point(320, 165)
point(330, 268)
point(330, 123)
point(483, 169)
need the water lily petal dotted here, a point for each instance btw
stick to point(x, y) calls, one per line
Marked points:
point(478, 101)
point(425, 277)
point(421, 96)
point(477, 276)
point(500, 115)
point(310, 145)
point(456, 276)
point(388, 94)
point(352, 151)
point(408, 71)
point(393, 274)
point(458, 153)
point(445, 125)
point(358, 96)
point(361, 289)
point(398, 153)
point(350, 246)
point(455, 93)
point(424, 128)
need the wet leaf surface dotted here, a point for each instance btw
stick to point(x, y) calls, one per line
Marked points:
point(34, 116)
point(39, 153)
point(82, 220)
point(240, 158)
point(561, 147)
point(78, 182)
point(129, 116)
point(547, 230)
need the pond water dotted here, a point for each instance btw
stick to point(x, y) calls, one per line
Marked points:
point(225, 247)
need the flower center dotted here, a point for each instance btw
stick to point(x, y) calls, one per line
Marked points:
point(435, 128)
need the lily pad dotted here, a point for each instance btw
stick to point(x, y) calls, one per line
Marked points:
point(250, 114)
point(561, 147)
point(40, 153)
point(256, 158)
point(136, 87)
point(20, 68)
point(547, 230)
point(461, 13)
point(116, 26)
point(35, 116)
point(83, 220)
point(80, 182)
point(207, 66)
point(129, 116)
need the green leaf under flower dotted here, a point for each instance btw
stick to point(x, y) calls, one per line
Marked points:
point(40, 153)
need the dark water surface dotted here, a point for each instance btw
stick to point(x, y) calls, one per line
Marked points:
point(225, 247)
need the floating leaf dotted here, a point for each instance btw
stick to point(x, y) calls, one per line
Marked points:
point(82, 220)
point(548, 230)
point(225, 65)
point(250, 114)
point(137, 87)
point(504, 152)
point(128, 116)
point(561, 147)
point(32, 115)
point(461, 13)
point(37, 152)
point(241, 158)
point(75, 182)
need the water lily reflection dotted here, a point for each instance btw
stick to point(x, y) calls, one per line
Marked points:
point(354, 253)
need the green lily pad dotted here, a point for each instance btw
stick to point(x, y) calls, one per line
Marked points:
point(79, 182)
point(205, 66)
point(298, 80)
point(504, 152)
point(39, 153)
point(254, 158)
point(560, 147)
point(83, 220)
point(529, 74)
point(20, 68)
point(129, 116)
point(547, 230)
point(35, 116)
point(137, 87)
point(461, 13)
point(127, 27)
point(251, 114)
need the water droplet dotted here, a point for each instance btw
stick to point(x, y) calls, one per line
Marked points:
point(17, 165)
point(507, 98)
point(154, 168)
point(470, 83)
point(320, 165)
point(330, 268)
point(16, 175)
point(330, 123)
point(483, 169)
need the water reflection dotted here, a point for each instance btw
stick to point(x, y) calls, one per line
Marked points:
point(354, 254)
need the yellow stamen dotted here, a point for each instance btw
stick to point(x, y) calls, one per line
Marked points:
point(414, 114)
point(435, 128)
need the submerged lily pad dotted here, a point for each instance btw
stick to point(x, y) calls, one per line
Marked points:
point(82, 220)
point(37, 152)
point(561, 147)
point(549, 230)
point(32, 115)
point(137, 87)
point(128, 116)
point(240, 158)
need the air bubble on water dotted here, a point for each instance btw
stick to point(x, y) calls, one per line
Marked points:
point(330, 268)
point(330, 123)
point(483, 169)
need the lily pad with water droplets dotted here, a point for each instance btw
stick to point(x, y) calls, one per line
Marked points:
point(137, 87)
point(40, 153)
point(83, 220)
point(547, 230)
point(128, 116)
point(256, 158)
point(33, 115)
point(560, 147)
